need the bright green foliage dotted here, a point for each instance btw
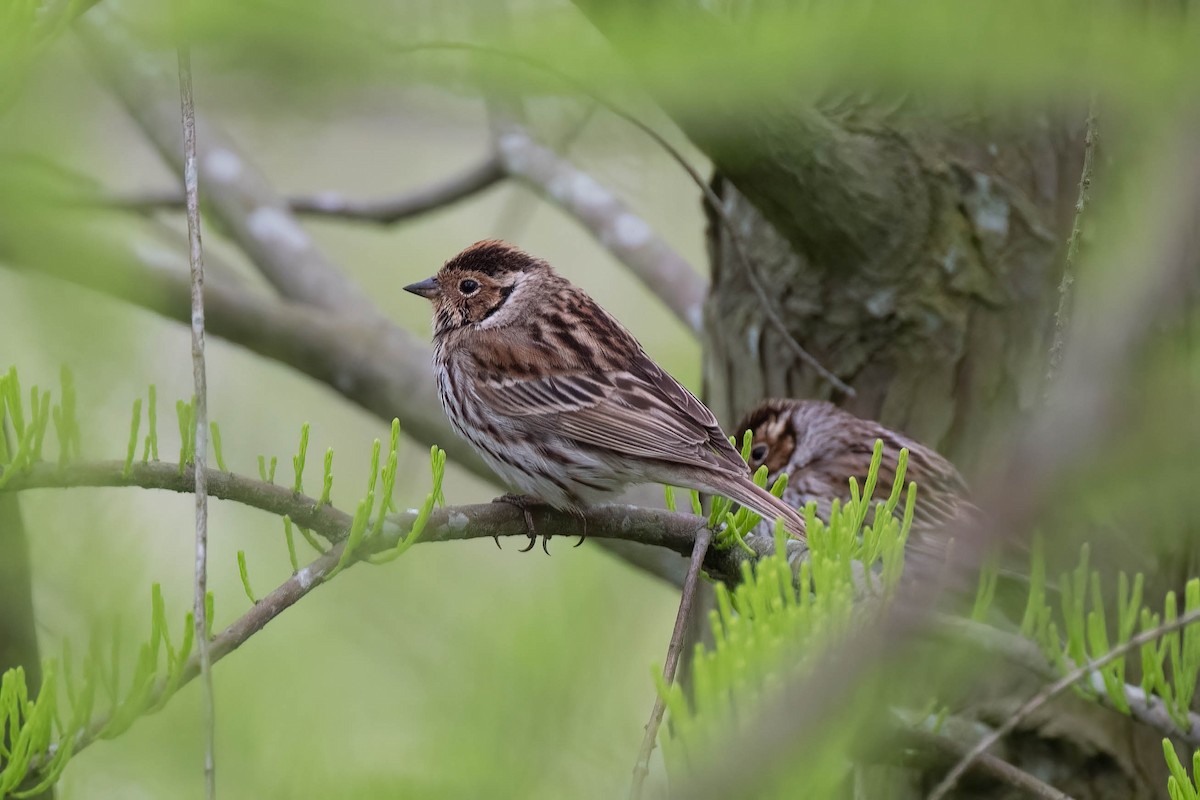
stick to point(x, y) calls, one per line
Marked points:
point(298, 460)
point(38, 737)
point(134, 426)
point(327, 485)
point(1179, 785)
point(245, 575)
point(185, 412)
point(150, 450)
point(776, 618)
point(218, 454)
point(42, 742)
point(31, 431)
point(731, 527)
point(1081, 631)
point(267, 474)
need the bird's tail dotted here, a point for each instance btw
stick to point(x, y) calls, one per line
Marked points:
point(762, 502)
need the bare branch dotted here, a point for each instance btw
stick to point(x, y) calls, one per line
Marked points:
point(334, 205)
point(987, 764)
point(1146, 709)
point(380, 368)
point(642, 768)
point(191, 186)
point(657, 528)
point(239, 195)
point(1052, 691)
point(614, 225)
point(268, 608)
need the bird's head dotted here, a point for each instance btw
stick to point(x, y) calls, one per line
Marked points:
point(486, 285)
point(773, 437)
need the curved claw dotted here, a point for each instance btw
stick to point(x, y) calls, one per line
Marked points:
point(532, 542)
point(583, 528)
point(496, 539)
point(545, 545)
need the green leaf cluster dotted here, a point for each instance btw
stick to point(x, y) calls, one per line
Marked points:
point(779, 617)
point(39, 733)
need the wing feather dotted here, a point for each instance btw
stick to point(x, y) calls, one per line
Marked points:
point(643, 413)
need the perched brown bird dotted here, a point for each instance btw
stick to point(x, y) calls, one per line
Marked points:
point(821, 447)
point(559, 399)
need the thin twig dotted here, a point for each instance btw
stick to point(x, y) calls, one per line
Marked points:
point(1062, 316)
point(266, 609)
point(642, 768)
point(196, 261)
point(987, 764)
point(385, 211)
point(1052, 691)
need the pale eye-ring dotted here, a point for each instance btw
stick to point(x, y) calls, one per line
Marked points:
point(758, 452)
point(468, 286)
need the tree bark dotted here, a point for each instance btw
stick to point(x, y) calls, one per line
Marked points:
point(945, 338)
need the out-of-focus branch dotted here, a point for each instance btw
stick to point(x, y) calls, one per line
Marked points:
point(1063, 313)
point(658, 528)
point(1148, 710)
point(1113, 319)
point(1053, 690)
point(381, 368)
point(606, 217)
point(625, 234)
point(335, 205)
point(987, 764)
point(239, 195)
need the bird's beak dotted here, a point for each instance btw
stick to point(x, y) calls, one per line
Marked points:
point(426, 288)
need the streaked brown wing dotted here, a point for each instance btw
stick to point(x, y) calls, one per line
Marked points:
point(641, 412)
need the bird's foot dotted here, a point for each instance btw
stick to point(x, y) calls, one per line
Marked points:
point(525, 502)
point(582, 525)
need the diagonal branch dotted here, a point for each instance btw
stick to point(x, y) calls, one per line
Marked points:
point(621, 231)
point(380, 368)
point(986, 764)
point(1053, 690)
point(268, 608)
point(642, 768)
point(239, 195)
point(1146, 709)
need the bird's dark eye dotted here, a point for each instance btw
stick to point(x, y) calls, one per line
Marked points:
point(468, 286)
point(758, 452)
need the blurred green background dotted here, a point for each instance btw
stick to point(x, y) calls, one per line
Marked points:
point(457, 670)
